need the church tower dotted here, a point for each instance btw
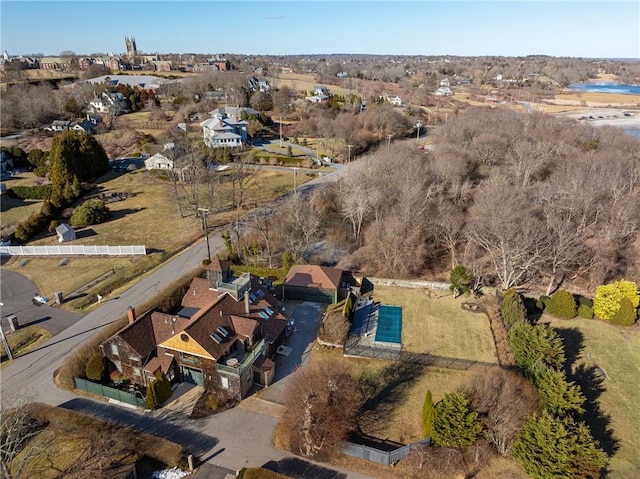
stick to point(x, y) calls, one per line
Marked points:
point(130, 43)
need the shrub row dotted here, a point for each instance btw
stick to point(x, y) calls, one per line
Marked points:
point(40, 192)
point(33, 225)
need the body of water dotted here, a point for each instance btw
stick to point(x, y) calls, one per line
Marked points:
point(606, 88)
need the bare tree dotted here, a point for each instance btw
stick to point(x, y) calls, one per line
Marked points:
point(299, 226)
point(262, 221)
point(501, 224)
point(18, 426)
point(503, 400)
point(321, 403)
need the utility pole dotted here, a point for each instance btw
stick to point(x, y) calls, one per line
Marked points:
point(389, 140)
point(418, 125)
point(205, 212)
point(280, 123)
point(295, 183)
point(349, 157)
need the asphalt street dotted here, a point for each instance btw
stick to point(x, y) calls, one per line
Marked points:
point(234, 439)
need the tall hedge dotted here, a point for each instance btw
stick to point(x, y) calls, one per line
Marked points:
point(39, 192)
point(551, 446)
point(158, 391)
point(428, 415)
point(533, 344)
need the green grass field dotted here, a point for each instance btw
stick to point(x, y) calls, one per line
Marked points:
point(434, 322)
point(617, 351)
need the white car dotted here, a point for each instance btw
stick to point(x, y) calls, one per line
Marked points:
point(40, 299)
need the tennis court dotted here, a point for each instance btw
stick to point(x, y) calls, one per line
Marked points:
point(389, 330)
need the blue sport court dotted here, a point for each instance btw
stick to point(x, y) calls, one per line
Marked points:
point(389, 330)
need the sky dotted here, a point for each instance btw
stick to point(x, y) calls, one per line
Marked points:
point(575, 28)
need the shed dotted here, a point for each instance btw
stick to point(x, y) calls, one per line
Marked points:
point(318, 284)
point(65, 233)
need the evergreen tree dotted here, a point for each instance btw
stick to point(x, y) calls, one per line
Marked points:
point(558, 447)
point(512, 308)
point(532, 344)
point(460, 281)
point(428, 415)
point(74, 157)
point(152, 399)
point(455, 424)
point(559, 396)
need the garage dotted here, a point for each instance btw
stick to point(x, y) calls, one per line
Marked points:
point(316, 284)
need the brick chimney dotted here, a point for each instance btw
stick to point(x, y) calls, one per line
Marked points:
point(131, 314)
point(247, 303)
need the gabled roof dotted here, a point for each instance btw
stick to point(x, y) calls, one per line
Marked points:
point(63, 228)
point(312, 276)
point(244, 326)
point(199, 294)
point(154, 327)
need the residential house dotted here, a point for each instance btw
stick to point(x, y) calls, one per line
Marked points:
point(95, 119)
point(84, 126)
point(107, 102)
point(394, 100)
point(309, 282)
point(226, 128)
point(445, 82)
point(223, 338)
point(159, 161)
point(321, 90)
point(65, 233)
point(259, 84)
point(320, 94)
point(58, 126)
point(443, 91)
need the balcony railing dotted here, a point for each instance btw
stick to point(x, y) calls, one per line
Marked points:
point(247, 362)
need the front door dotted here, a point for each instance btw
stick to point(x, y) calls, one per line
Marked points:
point(193, 375)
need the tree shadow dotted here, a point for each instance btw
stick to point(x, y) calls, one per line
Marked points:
point(297, 468)
point(117, 214)
point(591, 379)
point(86, 233)
point(573, 341)
point(591, 382)
point(381, 393)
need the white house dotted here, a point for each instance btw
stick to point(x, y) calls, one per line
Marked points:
point(226, 128)
point(59, 125)
point(84, 126)
point(443, 91)
point(158, 162)
point(394, 100)
point(108, 101)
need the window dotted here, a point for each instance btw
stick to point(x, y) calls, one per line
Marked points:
point(137, 372)
point(134, 359)
point(224, 382)
point(114, 349)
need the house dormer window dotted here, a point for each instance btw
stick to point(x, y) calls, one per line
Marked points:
point(114, 349)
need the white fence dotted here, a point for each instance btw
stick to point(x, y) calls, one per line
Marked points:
point(72, 250)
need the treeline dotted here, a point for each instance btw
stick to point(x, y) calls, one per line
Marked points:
point(515, 198)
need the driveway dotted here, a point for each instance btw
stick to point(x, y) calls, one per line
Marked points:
point(16, 296)
point(307, 320)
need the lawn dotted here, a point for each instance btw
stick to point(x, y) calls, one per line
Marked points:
point(149, 218)
point(72, 443)
point(434, 322)
point(617, 351)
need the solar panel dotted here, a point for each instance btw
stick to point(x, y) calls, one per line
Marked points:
point(264, 315)
point(216, 338)
point(260, 293)
point(252, 297)
point(268, 310)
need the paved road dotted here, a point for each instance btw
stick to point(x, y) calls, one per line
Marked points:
point(16, 296)
point(234, 439)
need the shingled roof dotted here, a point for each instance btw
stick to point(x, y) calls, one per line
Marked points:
point(313, 276)
point(152, 328)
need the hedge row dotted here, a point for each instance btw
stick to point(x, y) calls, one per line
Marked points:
point(40, 192)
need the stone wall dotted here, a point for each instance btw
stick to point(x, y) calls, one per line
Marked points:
point(410, 283)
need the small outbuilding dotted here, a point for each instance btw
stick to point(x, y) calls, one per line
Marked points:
point(65, 233)
point(318, 284)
